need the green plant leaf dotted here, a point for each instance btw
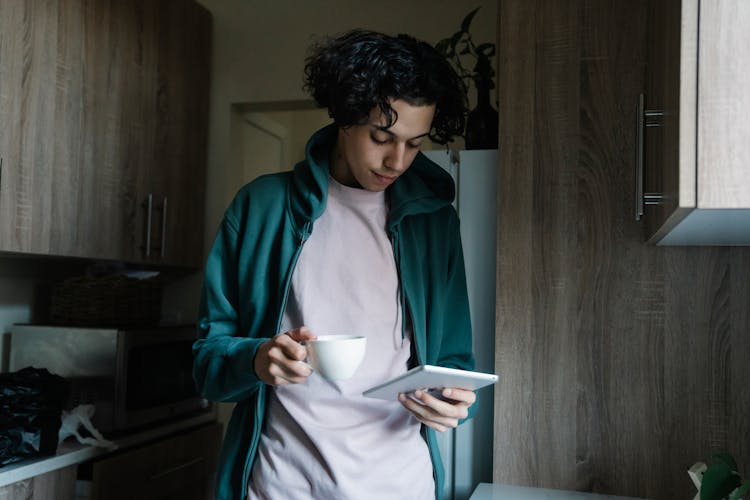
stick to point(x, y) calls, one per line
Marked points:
point(466, 23)
point(719, 480)
point(442, 46)
point(727, 459)
point(486, 49)
point(741, 491)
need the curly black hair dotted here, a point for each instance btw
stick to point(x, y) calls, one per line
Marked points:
point(352, 73)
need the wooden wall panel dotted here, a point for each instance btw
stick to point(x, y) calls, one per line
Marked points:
point(514, 452)
point(621, 363)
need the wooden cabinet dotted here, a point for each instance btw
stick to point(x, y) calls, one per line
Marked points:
point(58, 485)
point(694, 125)
point(28, 62)
point(181, 467)
point(104, 107)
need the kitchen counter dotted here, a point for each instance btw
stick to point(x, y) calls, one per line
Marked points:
point(70, 452)
point(487, 491)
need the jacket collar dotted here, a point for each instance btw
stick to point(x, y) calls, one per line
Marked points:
point(425, 187)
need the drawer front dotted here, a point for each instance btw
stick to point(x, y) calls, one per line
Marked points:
point(178, 467)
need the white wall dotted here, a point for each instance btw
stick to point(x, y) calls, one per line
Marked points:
point(16, 297)
point(25, 285)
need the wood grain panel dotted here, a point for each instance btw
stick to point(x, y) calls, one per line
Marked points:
point(178, 467)
point(622, 363)
point(111, 39)
point(184, 49)
point(723, 104)
point(65, 236)
point(139, 21)
point(515, 455)
point(671, 70)
point(29, 95)
point(34, 187)
point(57, 485)
point(11, 60)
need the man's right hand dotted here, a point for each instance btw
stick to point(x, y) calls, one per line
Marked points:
point(279, 361)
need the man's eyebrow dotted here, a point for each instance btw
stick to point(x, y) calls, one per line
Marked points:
point(385, 129)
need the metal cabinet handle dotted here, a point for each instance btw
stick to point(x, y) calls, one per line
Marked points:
point(149, 204)
point(176, 468)
point(164, 227)
point(644, 118)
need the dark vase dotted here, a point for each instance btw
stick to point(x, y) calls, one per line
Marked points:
point(482, 122)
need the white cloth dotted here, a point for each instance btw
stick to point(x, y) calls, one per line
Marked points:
point(323, 439)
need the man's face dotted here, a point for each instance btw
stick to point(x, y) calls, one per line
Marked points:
point(371, 156)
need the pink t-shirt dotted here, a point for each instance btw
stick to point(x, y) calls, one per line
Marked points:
point(323, 439)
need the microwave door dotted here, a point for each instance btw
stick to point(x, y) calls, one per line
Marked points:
point(155, 381)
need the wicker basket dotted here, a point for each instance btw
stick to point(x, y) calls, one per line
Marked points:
point(114, 300)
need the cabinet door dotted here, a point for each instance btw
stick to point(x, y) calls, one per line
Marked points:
point(669, 131)
point(64, 179)
point(103, 107)
point(178, 467)
point(178, 172)
point(11, 16)
point(144, 131)
point(57, 485)
point(114, 129)
point(28, 33)
point(90, 216)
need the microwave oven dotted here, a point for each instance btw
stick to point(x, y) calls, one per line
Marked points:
point(133, 377)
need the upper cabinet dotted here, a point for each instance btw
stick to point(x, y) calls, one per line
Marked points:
point(693, 164)
point(104, 110)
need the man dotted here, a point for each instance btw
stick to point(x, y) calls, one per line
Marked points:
point(360, 238)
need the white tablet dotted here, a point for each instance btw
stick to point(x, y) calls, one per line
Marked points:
point(430, 378)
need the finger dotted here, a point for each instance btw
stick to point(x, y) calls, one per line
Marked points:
point(461, 395)
point(290, 348)
point(444, 408)
point(438, 425)
point(426, 414)
point(294, 373)
point(289, 361)
point(274, 367)
point(301, 333)
point(437, 410)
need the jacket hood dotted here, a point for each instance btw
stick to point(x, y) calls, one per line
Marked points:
point(424, 187)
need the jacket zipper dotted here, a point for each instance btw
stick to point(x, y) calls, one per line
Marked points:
point(305, 234)
point(257, 422)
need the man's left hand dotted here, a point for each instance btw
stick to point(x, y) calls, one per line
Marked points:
point(441, 413)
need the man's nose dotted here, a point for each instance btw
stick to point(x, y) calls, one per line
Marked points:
point(396, 159)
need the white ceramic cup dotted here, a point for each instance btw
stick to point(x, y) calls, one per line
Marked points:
point(336, 357)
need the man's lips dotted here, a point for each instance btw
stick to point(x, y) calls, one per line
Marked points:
point(384, 178)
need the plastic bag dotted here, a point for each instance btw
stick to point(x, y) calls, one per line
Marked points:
point(31, 404)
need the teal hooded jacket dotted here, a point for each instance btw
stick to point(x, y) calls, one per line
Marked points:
point(250, 266)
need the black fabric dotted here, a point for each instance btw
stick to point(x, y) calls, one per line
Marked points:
point(31, 404)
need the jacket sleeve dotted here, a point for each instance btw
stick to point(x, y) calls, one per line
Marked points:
point(223, 355)
point(456, 350)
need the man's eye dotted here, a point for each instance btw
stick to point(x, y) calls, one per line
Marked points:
point(413, 145)
point(377, 140)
